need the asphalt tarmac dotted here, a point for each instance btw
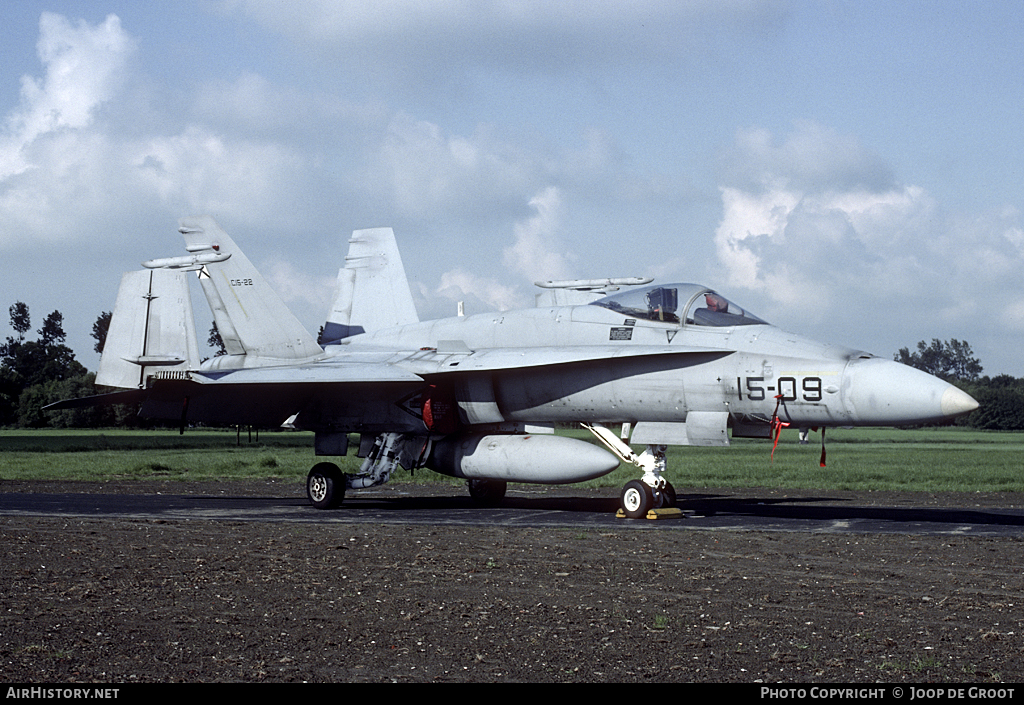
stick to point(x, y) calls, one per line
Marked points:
point(727, 509)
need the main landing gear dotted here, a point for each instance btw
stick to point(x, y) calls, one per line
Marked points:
point(652, 491)
point(326, 483)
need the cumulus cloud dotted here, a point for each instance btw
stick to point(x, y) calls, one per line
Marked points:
point(794, 246)
point(428, 173)
point(812, 216)
point(531, 256)
point(83, 69)
point(532, 253)
point(811, 158)
point(47, 149)
point(478, 292)
point(206, 172)
point(65, 161)
point(817, 224)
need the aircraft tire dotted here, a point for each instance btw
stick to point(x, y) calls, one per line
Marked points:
point(487, 493)
point(637, 498)
point(667, 495)
point(325, 486)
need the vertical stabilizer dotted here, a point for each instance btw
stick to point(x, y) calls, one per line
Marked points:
point(151, 329)
point(373, 291)
point(251, 318)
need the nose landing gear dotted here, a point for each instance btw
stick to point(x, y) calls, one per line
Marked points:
point(652, 491)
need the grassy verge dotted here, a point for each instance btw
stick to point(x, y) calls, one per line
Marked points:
point(930, 460)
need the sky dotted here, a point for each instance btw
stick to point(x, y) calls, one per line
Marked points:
point(851, 171)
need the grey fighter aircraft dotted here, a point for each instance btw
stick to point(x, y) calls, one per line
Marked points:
point(478, 397)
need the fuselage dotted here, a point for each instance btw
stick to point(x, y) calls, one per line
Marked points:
point(653, 367)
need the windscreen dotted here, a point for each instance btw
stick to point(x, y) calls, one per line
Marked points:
point(704, 307)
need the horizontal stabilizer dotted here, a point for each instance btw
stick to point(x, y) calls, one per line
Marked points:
point(125, 396)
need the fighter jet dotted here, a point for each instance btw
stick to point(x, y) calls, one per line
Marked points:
point(479, 397)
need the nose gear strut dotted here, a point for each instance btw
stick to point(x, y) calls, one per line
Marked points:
point(651, 491)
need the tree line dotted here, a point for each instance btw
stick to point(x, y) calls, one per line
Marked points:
point(34, 373)
point(1000, 398)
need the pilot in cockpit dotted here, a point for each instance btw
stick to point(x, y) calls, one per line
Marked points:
point(715, 313)
point(716, 303)
point(662, 304)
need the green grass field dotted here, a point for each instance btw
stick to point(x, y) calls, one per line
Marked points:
point(931, 460)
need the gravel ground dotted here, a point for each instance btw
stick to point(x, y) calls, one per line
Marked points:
point(100, 600)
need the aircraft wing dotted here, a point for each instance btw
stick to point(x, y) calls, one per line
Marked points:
point(266, 396)
point(400, 367)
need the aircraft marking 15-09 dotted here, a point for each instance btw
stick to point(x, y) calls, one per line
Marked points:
point(808, 389)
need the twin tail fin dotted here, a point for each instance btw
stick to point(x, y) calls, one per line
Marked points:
point(373, 290)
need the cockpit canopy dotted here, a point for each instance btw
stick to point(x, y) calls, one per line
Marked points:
point(689, 304)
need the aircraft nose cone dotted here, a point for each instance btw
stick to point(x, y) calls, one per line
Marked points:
point(886, 393)
point(956, 402)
